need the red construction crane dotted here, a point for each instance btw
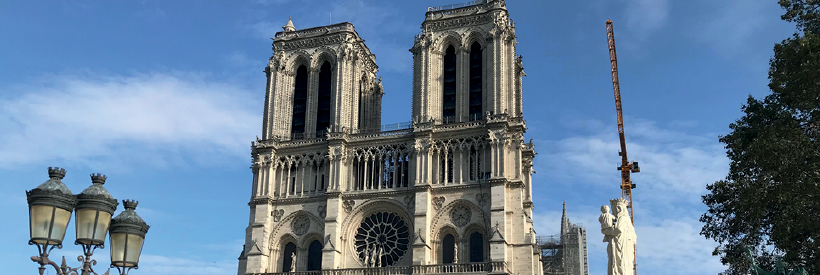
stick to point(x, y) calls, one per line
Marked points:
point(626, 167)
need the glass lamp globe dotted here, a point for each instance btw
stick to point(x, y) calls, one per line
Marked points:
point(127, 235)
point(95, 206)
point(50, 206)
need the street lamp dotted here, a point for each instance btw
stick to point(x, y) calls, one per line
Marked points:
point(127, 235)
point(50, 207)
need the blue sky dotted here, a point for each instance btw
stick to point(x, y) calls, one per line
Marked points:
point(165, 97)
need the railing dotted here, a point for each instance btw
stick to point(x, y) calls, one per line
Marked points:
point(478, 268)
point(455, 6)
point(451, 268)
point(474, 117)
point(323, 29)
point(399, 132)
point(386, 127)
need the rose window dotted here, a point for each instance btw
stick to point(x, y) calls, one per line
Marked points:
point(382, 239)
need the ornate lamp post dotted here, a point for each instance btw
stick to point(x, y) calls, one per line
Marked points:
point(95, 206)
point(127, 235)
point(50, 207)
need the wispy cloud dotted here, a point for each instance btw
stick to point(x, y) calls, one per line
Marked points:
point(115, 120)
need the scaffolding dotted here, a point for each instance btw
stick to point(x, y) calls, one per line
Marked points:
point(552, 254)
point(565, 254)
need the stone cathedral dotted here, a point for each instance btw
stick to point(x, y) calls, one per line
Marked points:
point(448, 192)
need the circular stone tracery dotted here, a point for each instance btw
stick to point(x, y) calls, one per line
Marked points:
point(300, 225)
point(460, 215)
point(382, 239)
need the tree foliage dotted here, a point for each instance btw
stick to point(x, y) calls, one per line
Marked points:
point(770, 201)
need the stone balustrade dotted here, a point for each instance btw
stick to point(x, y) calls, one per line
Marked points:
point(466, 268)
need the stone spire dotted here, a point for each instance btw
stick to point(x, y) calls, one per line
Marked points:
point(564, 222)
point(289, 26)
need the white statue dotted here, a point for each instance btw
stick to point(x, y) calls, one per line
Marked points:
point(293, 262)
point(622, 240)
point(607, 223)
point(455, 254)
point(368, 256)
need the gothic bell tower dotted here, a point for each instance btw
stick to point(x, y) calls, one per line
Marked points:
point(320, 79)
point(465, 65)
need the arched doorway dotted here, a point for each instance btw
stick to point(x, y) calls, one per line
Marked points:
point(476, 247)
point(288, 257)
point(448, 245)
point(314, 256)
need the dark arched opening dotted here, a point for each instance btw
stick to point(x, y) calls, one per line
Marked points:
point(448, 245)
point(299, 103)
point(288, 257)
point(448, 104)
point(475, 82)
point(476, 247)
point(314, 256)
point(323, 104)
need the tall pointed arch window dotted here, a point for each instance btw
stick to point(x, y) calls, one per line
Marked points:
point(448, 104)
point(314, 256)
point(288, 257)
point(299, 103)
point(475, 82)
point(361, 103)
point(323, 104)
point(476, 247)
point(448, 247)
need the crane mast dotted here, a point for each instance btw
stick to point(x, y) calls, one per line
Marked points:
point(626, 167)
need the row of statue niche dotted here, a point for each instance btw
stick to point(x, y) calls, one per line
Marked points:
point(619, 234)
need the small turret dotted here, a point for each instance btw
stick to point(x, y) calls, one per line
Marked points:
point(289, 26)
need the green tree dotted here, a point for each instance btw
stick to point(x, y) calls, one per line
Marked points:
point(770, 201)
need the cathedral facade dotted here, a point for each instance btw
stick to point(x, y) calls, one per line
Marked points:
point(449, 192)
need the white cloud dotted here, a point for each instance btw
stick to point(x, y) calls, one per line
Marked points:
point(674, 165)
point(116, 120)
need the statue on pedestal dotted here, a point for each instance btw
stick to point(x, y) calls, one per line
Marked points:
point(455, 254)
point(293, 262)
point(621, 237)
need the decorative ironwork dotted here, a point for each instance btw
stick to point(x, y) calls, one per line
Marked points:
point(382, 239)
